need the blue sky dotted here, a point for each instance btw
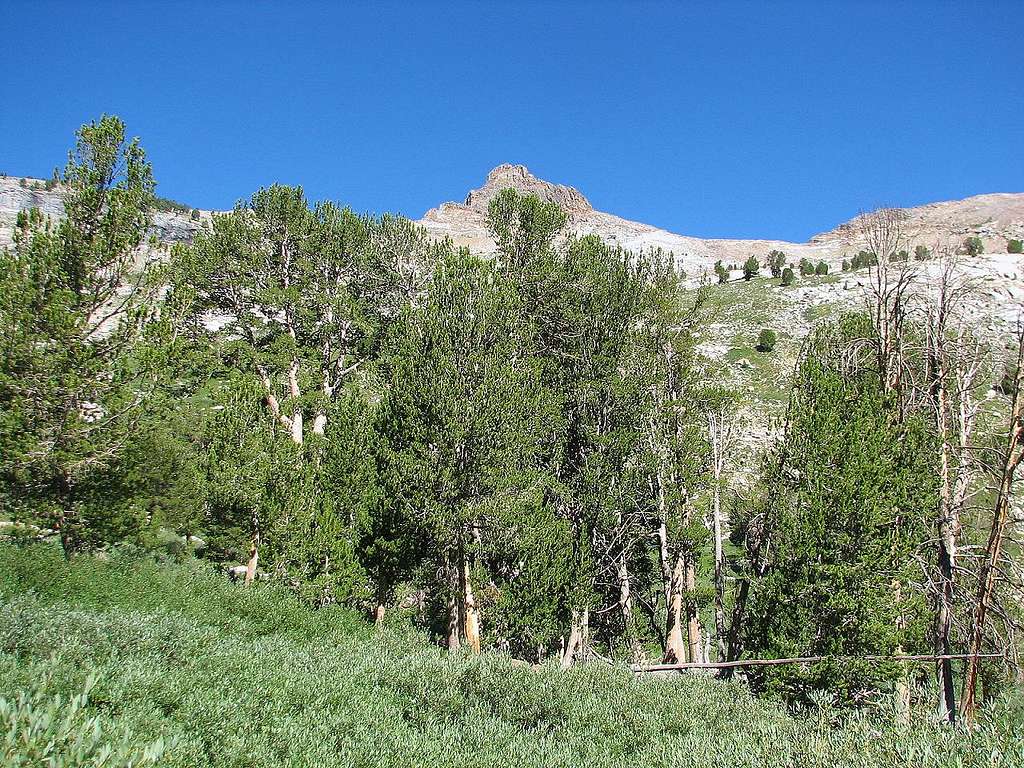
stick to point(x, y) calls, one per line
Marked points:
point(711, 119)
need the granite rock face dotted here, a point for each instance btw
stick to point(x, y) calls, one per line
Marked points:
point(18, 194)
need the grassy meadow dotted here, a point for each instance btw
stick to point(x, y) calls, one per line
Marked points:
point(126, 661)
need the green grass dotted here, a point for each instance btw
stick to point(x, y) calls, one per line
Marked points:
point(226, 676)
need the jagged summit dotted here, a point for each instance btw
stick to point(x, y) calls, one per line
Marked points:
point(519, 178)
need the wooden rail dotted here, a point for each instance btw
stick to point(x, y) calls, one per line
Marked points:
point(807, 660)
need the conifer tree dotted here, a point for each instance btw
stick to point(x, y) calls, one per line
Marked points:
point(75, 304)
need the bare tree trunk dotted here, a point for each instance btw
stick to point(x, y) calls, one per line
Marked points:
point(946, 558)
point(254, 559)
point(626, 608)
point(720, 434)
point(470, 611)
point(675, 647)
point(693, 633)
point(454, 612)
point(579, 632)
point(320, 424)
point(993, 549)
point(380, 607)
point(663, 555)
point(719, 574)
point(951, 375)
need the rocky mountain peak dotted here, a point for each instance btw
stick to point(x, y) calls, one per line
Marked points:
point(519, 178)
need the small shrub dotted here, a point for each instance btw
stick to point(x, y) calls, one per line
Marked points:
point(898, 256)
point(53, 731)
point(788, 278)
point(821, 269)
point(751, 267)
point(195, 214)
point(721, 272)
point(1008, 379)
point(846, 265)
point(922, 253)
point(1014, 246)
point(973, 246)
point(766, 340)
point(806, 267)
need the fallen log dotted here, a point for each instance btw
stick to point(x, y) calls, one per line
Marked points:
point(808, 660)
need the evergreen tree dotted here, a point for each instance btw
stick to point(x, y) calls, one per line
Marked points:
point(464, 420)
point(847, 498)
point(75, 307)
point(721, 272)
point(776, 262)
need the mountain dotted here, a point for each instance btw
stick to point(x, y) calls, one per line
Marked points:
point(995, 218)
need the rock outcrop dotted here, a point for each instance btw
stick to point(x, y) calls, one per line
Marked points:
point(994, 218)
point(18, 194)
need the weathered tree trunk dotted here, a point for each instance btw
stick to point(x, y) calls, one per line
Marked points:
point(320, 424)
point(626, 608)
point(993, 549)
point(948, 525)
point(380, 607)
point(693, 638)
point(471, 613)
point(250, 567)
point(720, 433)
point(579, 632)
point(454, 613)
point(675, 646)
point(719, 573)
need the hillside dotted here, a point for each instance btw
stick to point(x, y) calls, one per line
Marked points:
point(19, 194)
point(994, 218)
point(205, 673)
point(739, 310)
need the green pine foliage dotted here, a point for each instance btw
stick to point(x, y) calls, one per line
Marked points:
point(846, 503)
point(721, 272)
point(75, 306)
point(766, 340)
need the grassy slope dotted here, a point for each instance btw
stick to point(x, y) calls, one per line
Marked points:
point(235, 677)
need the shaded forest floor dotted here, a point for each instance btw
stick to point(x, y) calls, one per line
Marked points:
point(227, 676)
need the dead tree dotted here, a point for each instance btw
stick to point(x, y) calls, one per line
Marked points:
point(884, 233)
point(721, 438)
point(990, 566)
point(953, 362)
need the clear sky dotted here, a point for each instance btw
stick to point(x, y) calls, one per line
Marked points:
point(711, 119)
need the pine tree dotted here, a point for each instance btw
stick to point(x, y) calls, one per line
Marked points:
point(75, 306)
point(847, 501)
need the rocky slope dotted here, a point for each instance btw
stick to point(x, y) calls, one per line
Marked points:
point(17, 194)
point(994, 218)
